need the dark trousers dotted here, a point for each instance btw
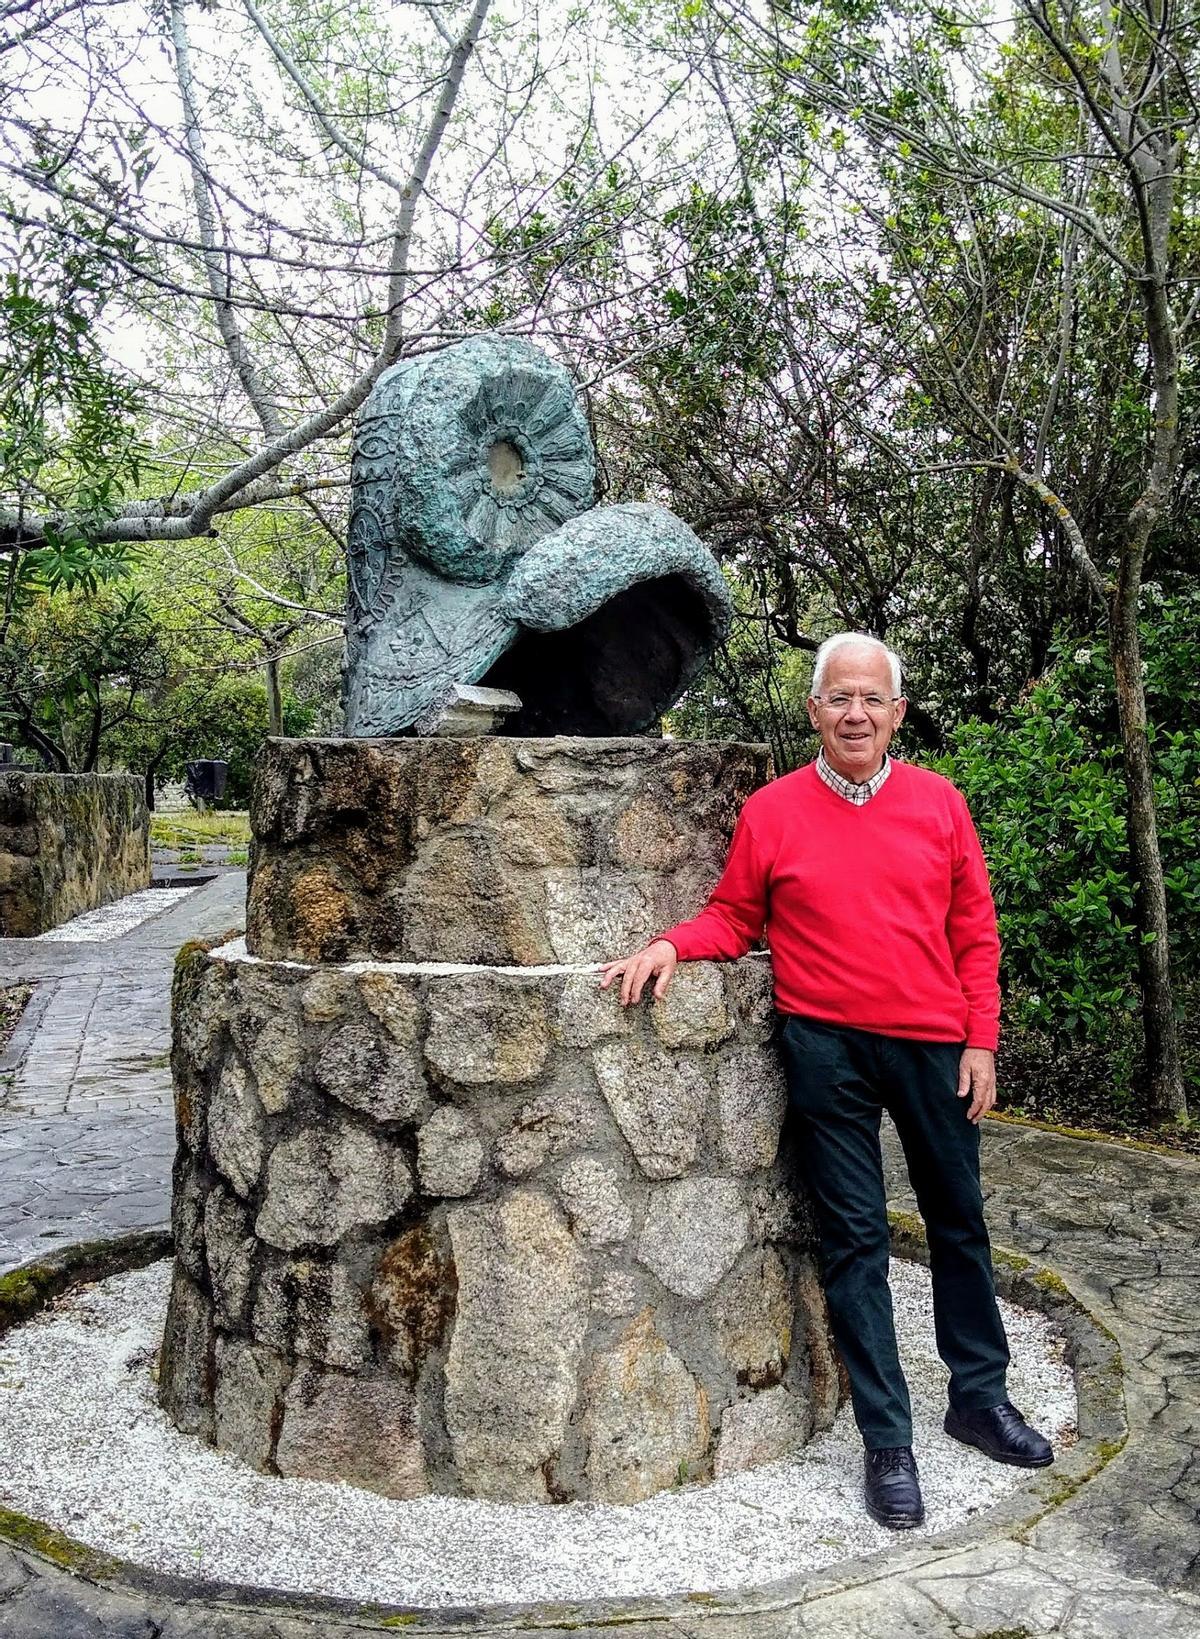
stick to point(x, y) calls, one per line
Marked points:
point(839, 1083)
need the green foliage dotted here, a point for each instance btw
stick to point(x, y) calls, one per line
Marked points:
point(72, 666)
point(69, 441)
point(102, 680)
point(205, 717)
point(1046, 790)
point(228, 719)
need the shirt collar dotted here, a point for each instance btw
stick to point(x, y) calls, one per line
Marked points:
point(855, 792)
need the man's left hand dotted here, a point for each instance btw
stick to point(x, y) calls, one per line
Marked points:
point(977, 1077)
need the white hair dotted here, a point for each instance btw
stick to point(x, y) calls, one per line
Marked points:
point(856, 640)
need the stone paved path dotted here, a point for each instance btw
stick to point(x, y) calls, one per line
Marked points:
point(1118, 1560)
point(87, 1130)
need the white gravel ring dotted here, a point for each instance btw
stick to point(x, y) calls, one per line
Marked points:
point(88, 1450)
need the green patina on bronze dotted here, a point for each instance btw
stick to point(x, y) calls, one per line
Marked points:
point(475, 555)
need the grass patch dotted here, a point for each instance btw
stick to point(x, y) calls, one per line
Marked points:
point(193, 830)
point(24, 1291)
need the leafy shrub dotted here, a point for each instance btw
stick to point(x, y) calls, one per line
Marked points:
point(224, 717)
point(1047, 793)
point(228, 718)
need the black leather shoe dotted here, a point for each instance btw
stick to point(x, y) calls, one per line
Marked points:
point(891, 1488)
point(1001, 1433)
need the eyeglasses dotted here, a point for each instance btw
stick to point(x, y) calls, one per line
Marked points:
point(843, 702)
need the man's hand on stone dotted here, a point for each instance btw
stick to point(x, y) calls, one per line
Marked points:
point(977, 1077)
point(656, 961)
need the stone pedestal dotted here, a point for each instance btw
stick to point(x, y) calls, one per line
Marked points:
point(447, 1218)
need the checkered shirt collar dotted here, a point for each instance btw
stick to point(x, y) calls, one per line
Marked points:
point(858, 793)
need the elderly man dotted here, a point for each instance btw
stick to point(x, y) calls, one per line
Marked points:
point(867, 876)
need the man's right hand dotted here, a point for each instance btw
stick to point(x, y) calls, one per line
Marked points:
point(656, 961)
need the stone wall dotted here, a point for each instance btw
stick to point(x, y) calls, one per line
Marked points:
point(483, 1231)
point(68, 842)
point(487, 850)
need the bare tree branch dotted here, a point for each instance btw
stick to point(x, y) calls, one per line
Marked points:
point(253, 385)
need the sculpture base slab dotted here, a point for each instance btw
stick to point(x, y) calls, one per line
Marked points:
point(487, 850)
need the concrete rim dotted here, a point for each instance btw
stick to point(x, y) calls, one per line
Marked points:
point(1093, 1354)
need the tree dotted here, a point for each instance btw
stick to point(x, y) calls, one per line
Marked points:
point(195, 716)
point(932, 125)
point(69, 441)
point(765, 397)
point(1045, 787)
point(314, 254)
point(72, 669)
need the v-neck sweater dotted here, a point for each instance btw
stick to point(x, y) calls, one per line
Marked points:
point(877, 916)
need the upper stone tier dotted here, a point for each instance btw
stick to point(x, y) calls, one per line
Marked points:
point(499, 851)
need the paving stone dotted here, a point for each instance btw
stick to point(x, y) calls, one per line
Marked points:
point(46, 1610)
point(13, 1574)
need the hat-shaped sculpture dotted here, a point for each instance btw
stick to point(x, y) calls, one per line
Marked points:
point(475, 556)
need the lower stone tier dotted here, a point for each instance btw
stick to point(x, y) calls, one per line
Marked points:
point(482, 1231)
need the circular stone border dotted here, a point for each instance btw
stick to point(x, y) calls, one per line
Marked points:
point(1092, 1352)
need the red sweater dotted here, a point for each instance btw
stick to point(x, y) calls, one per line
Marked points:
point(878, 916)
